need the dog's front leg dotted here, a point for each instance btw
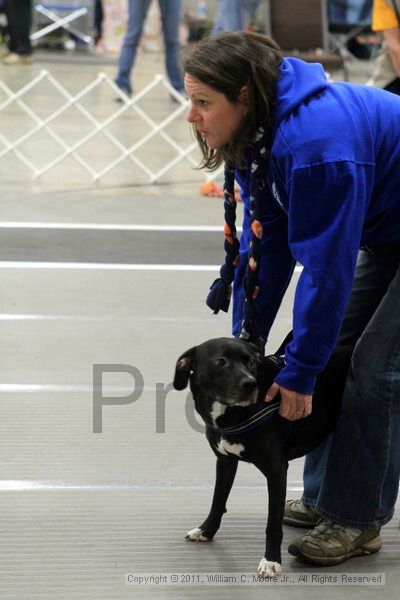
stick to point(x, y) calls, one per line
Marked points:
point(270, 564)
point(225, 475)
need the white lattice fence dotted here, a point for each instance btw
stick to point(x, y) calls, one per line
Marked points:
point(135, 129)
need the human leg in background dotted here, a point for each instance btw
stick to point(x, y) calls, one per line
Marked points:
point(235, 15)
point(19, 17)
point(250, 7)
point(337, 11)
point(218, 23)
point(231, 15)
point(354, 11)
point(314, 470)
point(137, 11)
point(170, 17)
point(98, 20)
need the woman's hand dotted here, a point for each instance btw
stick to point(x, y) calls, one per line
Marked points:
point(293, 406)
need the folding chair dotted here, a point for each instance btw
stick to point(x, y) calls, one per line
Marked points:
point(73, 16)
point(301, 29)
point(349, 19)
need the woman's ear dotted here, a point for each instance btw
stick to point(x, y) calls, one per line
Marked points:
point(244, 95)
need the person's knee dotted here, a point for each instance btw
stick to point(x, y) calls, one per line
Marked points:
point(172, 43)
point(132, 39)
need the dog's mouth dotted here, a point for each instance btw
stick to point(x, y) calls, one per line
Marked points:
point(234, 400)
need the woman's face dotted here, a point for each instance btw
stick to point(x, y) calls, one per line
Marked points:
point(215, 117)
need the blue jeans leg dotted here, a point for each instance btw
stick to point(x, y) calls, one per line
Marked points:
point(137, 11)
point(354, 11)
point(372, 278)
point(361, 481)
point(314, 470)
point(232, 15)
point(170, 16)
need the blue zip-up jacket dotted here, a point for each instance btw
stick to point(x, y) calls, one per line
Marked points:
point(334, 176)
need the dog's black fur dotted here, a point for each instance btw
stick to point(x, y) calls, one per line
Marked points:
point(227, 377)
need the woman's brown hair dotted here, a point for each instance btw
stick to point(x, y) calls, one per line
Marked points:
point(227, 62)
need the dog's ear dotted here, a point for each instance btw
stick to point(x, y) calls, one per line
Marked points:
point(183, 368)
point(258, 357)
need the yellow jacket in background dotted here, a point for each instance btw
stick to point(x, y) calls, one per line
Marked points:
point(383, 16)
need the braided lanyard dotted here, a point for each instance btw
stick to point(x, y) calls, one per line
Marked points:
point(221, 289)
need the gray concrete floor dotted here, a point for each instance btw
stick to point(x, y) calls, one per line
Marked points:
point(79, 510)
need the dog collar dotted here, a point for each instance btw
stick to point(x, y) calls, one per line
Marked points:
point(260, 417)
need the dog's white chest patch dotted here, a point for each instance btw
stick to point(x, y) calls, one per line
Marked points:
point(224, 447)
point(217, 410)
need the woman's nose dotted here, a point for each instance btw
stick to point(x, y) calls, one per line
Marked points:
point(192, 115)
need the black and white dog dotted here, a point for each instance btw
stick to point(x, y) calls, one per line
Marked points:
point(229, 379)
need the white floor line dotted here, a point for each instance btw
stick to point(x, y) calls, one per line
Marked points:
point(100, 318)
point(12, 388)
point(103, 266)
point(26, 485)
point(111, 226)
point(110, 266)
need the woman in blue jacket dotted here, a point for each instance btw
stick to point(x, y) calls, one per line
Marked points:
point(318, 164)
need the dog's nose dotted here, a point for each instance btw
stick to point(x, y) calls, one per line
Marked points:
point(248, 384)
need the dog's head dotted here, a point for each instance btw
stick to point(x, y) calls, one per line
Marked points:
point(221, 369)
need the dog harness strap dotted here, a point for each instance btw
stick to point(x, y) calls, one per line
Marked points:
point(256, 420)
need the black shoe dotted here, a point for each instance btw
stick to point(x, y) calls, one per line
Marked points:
point(125, 97)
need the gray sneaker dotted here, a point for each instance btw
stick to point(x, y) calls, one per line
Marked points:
point(332, 544)
point(298, 514)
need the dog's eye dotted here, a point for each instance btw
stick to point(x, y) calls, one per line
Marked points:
point(221, 362)
point(251, 363)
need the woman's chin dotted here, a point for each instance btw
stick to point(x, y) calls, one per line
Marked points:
point(213, 145)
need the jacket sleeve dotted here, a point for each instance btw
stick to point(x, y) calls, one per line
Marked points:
point(276, 269)
point(326, 215)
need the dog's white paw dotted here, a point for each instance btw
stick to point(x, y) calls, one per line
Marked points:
point(196, 535)
point(268, 568)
